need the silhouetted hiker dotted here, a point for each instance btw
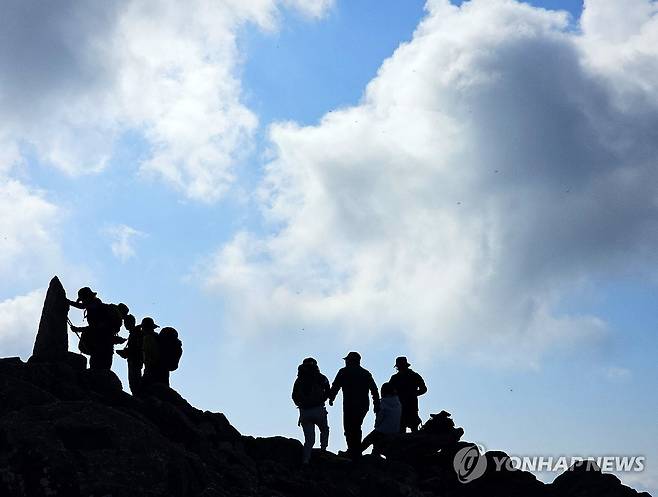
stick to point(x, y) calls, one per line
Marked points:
point(104, 321)
point(309, 393)
point(355, 382)
point(133, 352)
point(387, 420)
point(409, 385)
point(162, 352)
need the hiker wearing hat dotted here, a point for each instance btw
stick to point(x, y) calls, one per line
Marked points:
point(409, 385)
point(309, 393)
point(355, 382)
point(162, 353)
point(151, 350)
point(97, 338)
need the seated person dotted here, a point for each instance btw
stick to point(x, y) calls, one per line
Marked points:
point(387, 420)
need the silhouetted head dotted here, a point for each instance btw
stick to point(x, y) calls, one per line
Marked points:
point(308, 366)
point(129, 322)
point(148, 324)
point(169, 332)
point(352, 358)
point(123, 309)
point(401, 363)
point(388, 390)
point(85, 294)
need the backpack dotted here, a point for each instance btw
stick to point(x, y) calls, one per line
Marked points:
point(438, 424)
point(312, 392)
point(112, 317)
point(171, 348)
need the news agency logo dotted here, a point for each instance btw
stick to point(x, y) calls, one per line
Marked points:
point(470, 463)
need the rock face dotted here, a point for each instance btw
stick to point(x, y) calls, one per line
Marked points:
point(52, 342)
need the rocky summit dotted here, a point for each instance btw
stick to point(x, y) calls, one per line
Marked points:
point(67, 431)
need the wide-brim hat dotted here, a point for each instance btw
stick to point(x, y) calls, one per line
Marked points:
point(401, 362)
point(85, 293)
point(148, 324)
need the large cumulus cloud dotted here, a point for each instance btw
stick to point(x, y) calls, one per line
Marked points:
point(499, 161)
point(75, 75)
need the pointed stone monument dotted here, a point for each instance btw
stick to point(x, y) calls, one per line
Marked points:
point(52, 342)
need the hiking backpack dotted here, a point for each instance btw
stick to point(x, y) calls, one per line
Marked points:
point(171, 348)
point(112, 316)
point(312, 391)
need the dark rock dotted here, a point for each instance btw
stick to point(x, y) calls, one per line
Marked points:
point(52, 342)
point(585, 478)
point(70, 432)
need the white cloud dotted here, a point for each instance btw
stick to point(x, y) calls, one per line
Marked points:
point(74, 75)
point(28, 233)
point(19, 319)
point(494, 166)
point(123, 241)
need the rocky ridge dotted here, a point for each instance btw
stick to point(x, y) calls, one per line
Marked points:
point(66, 431)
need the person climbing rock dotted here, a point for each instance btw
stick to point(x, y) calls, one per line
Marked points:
point(103, 321)
point(355, 382)
point(309, 393)
point(409, 386)
point(387, 420)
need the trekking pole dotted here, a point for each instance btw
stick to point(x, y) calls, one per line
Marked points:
point(71, 325)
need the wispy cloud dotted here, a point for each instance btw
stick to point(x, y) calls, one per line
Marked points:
point(123, 241)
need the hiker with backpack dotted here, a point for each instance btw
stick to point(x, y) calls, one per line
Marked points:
point(97, 339)
point(162, 352)
point(387, 420)
point(309, 393)
point(355, 382)
point(133, 352)
point(409, 385)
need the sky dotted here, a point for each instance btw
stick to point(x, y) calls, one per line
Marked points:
point(471, 184)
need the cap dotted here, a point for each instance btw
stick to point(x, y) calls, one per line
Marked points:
point(353, 356)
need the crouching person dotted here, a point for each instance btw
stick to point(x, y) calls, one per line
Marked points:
point(387, 420)
point(310, 392)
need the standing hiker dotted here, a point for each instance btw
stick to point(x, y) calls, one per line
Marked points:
point(409, 386)
point(133, 353)
point(355, 382)
point(162, 352)
point(309, 393)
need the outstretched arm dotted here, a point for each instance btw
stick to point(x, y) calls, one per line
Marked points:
point(75, 304)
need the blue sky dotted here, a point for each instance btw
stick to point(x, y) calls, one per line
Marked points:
point(280, 180)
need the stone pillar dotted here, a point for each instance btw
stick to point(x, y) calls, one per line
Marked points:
point(52, 342)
